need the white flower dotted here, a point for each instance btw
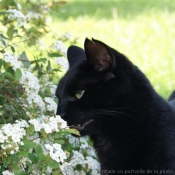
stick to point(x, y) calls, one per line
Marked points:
point(45, 8)
point(12, 59)
point(22, 162)
point(67, 169)
point(16, 138)
point(15, 14)
point(22, 123)
point(14, 132)
point(33, 15)
point(31, 85)
point(92, 163)
point(12, 152)
point(77, 158)
point(56, 152)
point(51, 105)
point(58, 45)
point(6, 172)
point(2, 137)
point(36, 123)
point(84, 143)
point(81, 172)
point(39, 101)
point(62, 62)
point(18, 5)
point(49, 124)
point(48, 146)
point(66, 35)
point(95, 172)
point(53, 88)
point(47, 128)
point(91, 151)
point(61, 123)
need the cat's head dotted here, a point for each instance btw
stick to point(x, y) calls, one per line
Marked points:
point(100, 85)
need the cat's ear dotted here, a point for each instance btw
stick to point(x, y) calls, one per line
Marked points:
point(75, 54)
point(99, 55)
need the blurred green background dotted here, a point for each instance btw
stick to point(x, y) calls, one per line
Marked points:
point(144, 30)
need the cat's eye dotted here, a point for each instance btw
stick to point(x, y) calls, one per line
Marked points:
point(79, 94)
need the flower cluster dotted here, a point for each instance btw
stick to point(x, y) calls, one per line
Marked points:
point(31, 85)
point(39, 102)
point(12, 59)
point(56, 152)
point(59, 46)
point(49, 124)
point(87, 163)
point(51, 105)
point(6, 172)
point(15, 14)
point(62, 62)
point(12, 134)
point(79, 159)
point(34, 15)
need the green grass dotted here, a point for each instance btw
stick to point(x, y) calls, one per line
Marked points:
point(144, 30)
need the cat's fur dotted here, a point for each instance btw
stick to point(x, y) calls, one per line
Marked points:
point(132, 127)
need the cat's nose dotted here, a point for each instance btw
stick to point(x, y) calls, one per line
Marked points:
point(60, 112)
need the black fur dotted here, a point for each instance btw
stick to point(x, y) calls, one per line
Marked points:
point(132, 127)
point(171, 99)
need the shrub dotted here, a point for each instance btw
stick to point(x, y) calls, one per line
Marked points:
point(33, 139)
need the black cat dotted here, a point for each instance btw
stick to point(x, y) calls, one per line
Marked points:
point(105, 96)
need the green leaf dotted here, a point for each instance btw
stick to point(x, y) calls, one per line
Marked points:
point(0, 63)
point(43, 166)
point(17, 170)
point(12, 49)
point(23, 154)
point(56, 173)
point(2, 100)
point(15, 31)
point(10, 32)
point(24, 59)
point(38, 149)
point(18, 74)
point(7, 75)
point(2, 36)
point(43, 60)
point(73, 131)
point(5, 161)
point(27, 144)
point(54, 54)
point(29, 163)
point(61, 142)
point(39, 60)
point(10, 70)
point(58, 135)
point(17, 36)
point(49, 66)
point(52, 164)
point(41, 156)
point(15, 158)
point(33, 157)
point(4, 64)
